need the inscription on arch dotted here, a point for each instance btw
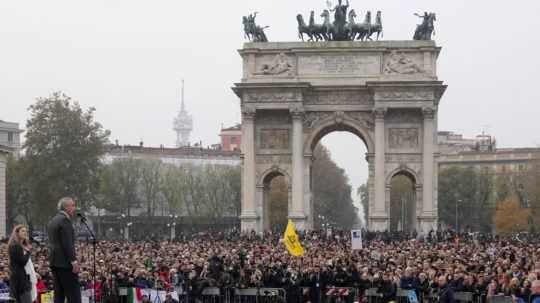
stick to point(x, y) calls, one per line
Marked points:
point(343, 65)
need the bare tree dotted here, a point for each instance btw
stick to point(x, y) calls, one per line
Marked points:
point(150, 183)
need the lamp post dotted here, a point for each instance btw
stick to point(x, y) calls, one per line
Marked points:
point(122, 220)
point(321, 220)
point(403, 215)
point(126, 235)
point(172, 225)
point(124, 230)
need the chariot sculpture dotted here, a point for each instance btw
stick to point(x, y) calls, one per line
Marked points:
point(343, 28)
point(252, 31)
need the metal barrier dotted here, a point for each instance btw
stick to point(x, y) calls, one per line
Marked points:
point(5, 296)
point(260, 295)
point(404, 295)
point(210, 295)
point(500, 299)
point(462, 296)
point(372, 295)
point(340, 294)
point(207, 295)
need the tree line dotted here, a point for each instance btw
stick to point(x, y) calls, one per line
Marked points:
point(63, 156)
point(482, 199)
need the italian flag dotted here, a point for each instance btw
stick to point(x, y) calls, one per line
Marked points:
point(134, 295)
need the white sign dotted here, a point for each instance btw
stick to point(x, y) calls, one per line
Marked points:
point(356, 239)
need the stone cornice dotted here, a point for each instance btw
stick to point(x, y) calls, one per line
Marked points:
point(277, 86)
point(332, 46)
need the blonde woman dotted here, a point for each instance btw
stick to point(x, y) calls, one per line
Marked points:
point(21, 269)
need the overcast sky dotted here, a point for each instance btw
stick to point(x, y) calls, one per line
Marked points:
point(126, 58)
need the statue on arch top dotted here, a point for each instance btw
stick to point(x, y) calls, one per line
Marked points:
point(426, 28)
point(339, 31)
point(252, 31)
point(342, 28)
point(340, 11)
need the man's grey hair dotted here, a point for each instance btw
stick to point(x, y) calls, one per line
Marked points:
point(62, 203)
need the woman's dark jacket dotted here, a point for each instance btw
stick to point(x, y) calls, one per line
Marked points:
point(19, 281)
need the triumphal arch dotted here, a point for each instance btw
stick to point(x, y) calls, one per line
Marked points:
point(293, 93)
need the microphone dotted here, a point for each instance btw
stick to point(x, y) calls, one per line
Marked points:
point(81, 216)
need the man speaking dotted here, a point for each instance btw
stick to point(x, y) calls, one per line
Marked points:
point(62, 257)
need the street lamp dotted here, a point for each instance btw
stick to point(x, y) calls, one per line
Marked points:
point(172, 225)
point(127, 230)
point(321, 219)
point(124, 226)
point(403, 214)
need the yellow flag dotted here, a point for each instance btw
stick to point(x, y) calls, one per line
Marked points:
point(290, 238)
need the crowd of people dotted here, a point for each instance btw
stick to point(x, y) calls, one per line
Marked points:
point(432, 265)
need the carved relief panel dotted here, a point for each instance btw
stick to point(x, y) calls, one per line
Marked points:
point(271, 118)
point(401, 63)
point(275, 65)
point(352, 97)
point(404, 116)
point(273, 159)
point(274, 139)
point(404, 94)
point(406, 138)
point(272, 96)
point(311, 119)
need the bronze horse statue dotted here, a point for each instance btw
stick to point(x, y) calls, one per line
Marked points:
point(364, 29)
point(377, 27)
point(427, 28)
point(358, 29)
point(320, 31)
point(303, 28)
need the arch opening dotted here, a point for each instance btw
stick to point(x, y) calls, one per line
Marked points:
point(338, 168)
point(338, 127)
point(403, 202)
point(276, 197)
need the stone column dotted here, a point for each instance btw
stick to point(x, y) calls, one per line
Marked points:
point(379, 162)
point(297, 213)
point(248, 215)
point(428, 162)
point(262, 205)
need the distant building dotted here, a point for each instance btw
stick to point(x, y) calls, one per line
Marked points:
point(482, 155)
point(452, 143)
point(10, 143)
point(183, 124)
point(10, 136)
point(176, 156)
point(4, 152)
point(231, 138)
